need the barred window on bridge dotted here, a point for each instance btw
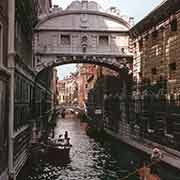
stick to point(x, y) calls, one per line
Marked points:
point(103, 40)
point(65, 39)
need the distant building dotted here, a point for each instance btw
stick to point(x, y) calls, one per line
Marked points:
point(61, 91)
point(54, 86)
point(91, 76)
point(155, 42)
point(68, 90)
point(86, 71)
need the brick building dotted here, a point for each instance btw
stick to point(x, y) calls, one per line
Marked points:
point(156, 43)
point(156, 72)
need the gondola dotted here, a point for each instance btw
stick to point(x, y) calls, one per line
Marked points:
point(58, 149)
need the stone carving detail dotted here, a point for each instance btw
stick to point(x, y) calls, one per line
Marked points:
point(84, 20)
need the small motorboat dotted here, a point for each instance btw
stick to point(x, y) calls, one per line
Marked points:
point(58, 149)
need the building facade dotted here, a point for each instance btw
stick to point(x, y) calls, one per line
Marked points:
point(4, 89)
point(68, 90)
point(71, 90)
point(61, 91)
point(83, 85)
point(156, 72)
point(30, 96)
point(156, 47)
point(150, 114)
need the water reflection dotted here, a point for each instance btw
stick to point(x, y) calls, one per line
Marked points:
point(90, 160)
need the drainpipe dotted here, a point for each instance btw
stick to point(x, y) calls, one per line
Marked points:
point(11, 66)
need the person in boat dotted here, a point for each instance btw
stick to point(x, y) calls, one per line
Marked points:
point(52, 134)
point(144, 172)
point(68, 142)
point(63, 113)
point(66, 139)
point(156, 155)
point(66, 135)
point(154, 174)
point(60, 138)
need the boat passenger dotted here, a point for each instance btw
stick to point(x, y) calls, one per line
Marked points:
point(63, 113)
point(156, 155)
point(60, 138)
point(67, 142)
point(66, 135)
point(144, 172)
point(154, 175)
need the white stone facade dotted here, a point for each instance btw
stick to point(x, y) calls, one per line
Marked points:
point(82, 29)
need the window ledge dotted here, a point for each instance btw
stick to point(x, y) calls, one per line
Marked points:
point(151, 130)
point(169, 135)
point(172, 80)
point(4, 70)
point(19, 131)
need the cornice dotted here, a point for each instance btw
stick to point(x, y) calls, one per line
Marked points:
point(90, 12)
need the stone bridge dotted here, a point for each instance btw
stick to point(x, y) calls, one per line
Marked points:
point(83, 33)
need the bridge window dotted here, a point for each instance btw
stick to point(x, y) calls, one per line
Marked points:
point(65, 39)
point(103, 40)
point(1, 43)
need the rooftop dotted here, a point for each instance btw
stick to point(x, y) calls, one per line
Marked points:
point(156, 16)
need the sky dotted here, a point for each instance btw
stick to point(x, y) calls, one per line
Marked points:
point(131, 8)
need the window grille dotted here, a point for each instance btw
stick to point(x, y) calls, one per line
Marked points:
point(65, 40)
point(103, 40)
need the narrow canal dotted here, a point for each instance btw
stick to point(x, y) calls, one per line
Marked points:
point(90, 159)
